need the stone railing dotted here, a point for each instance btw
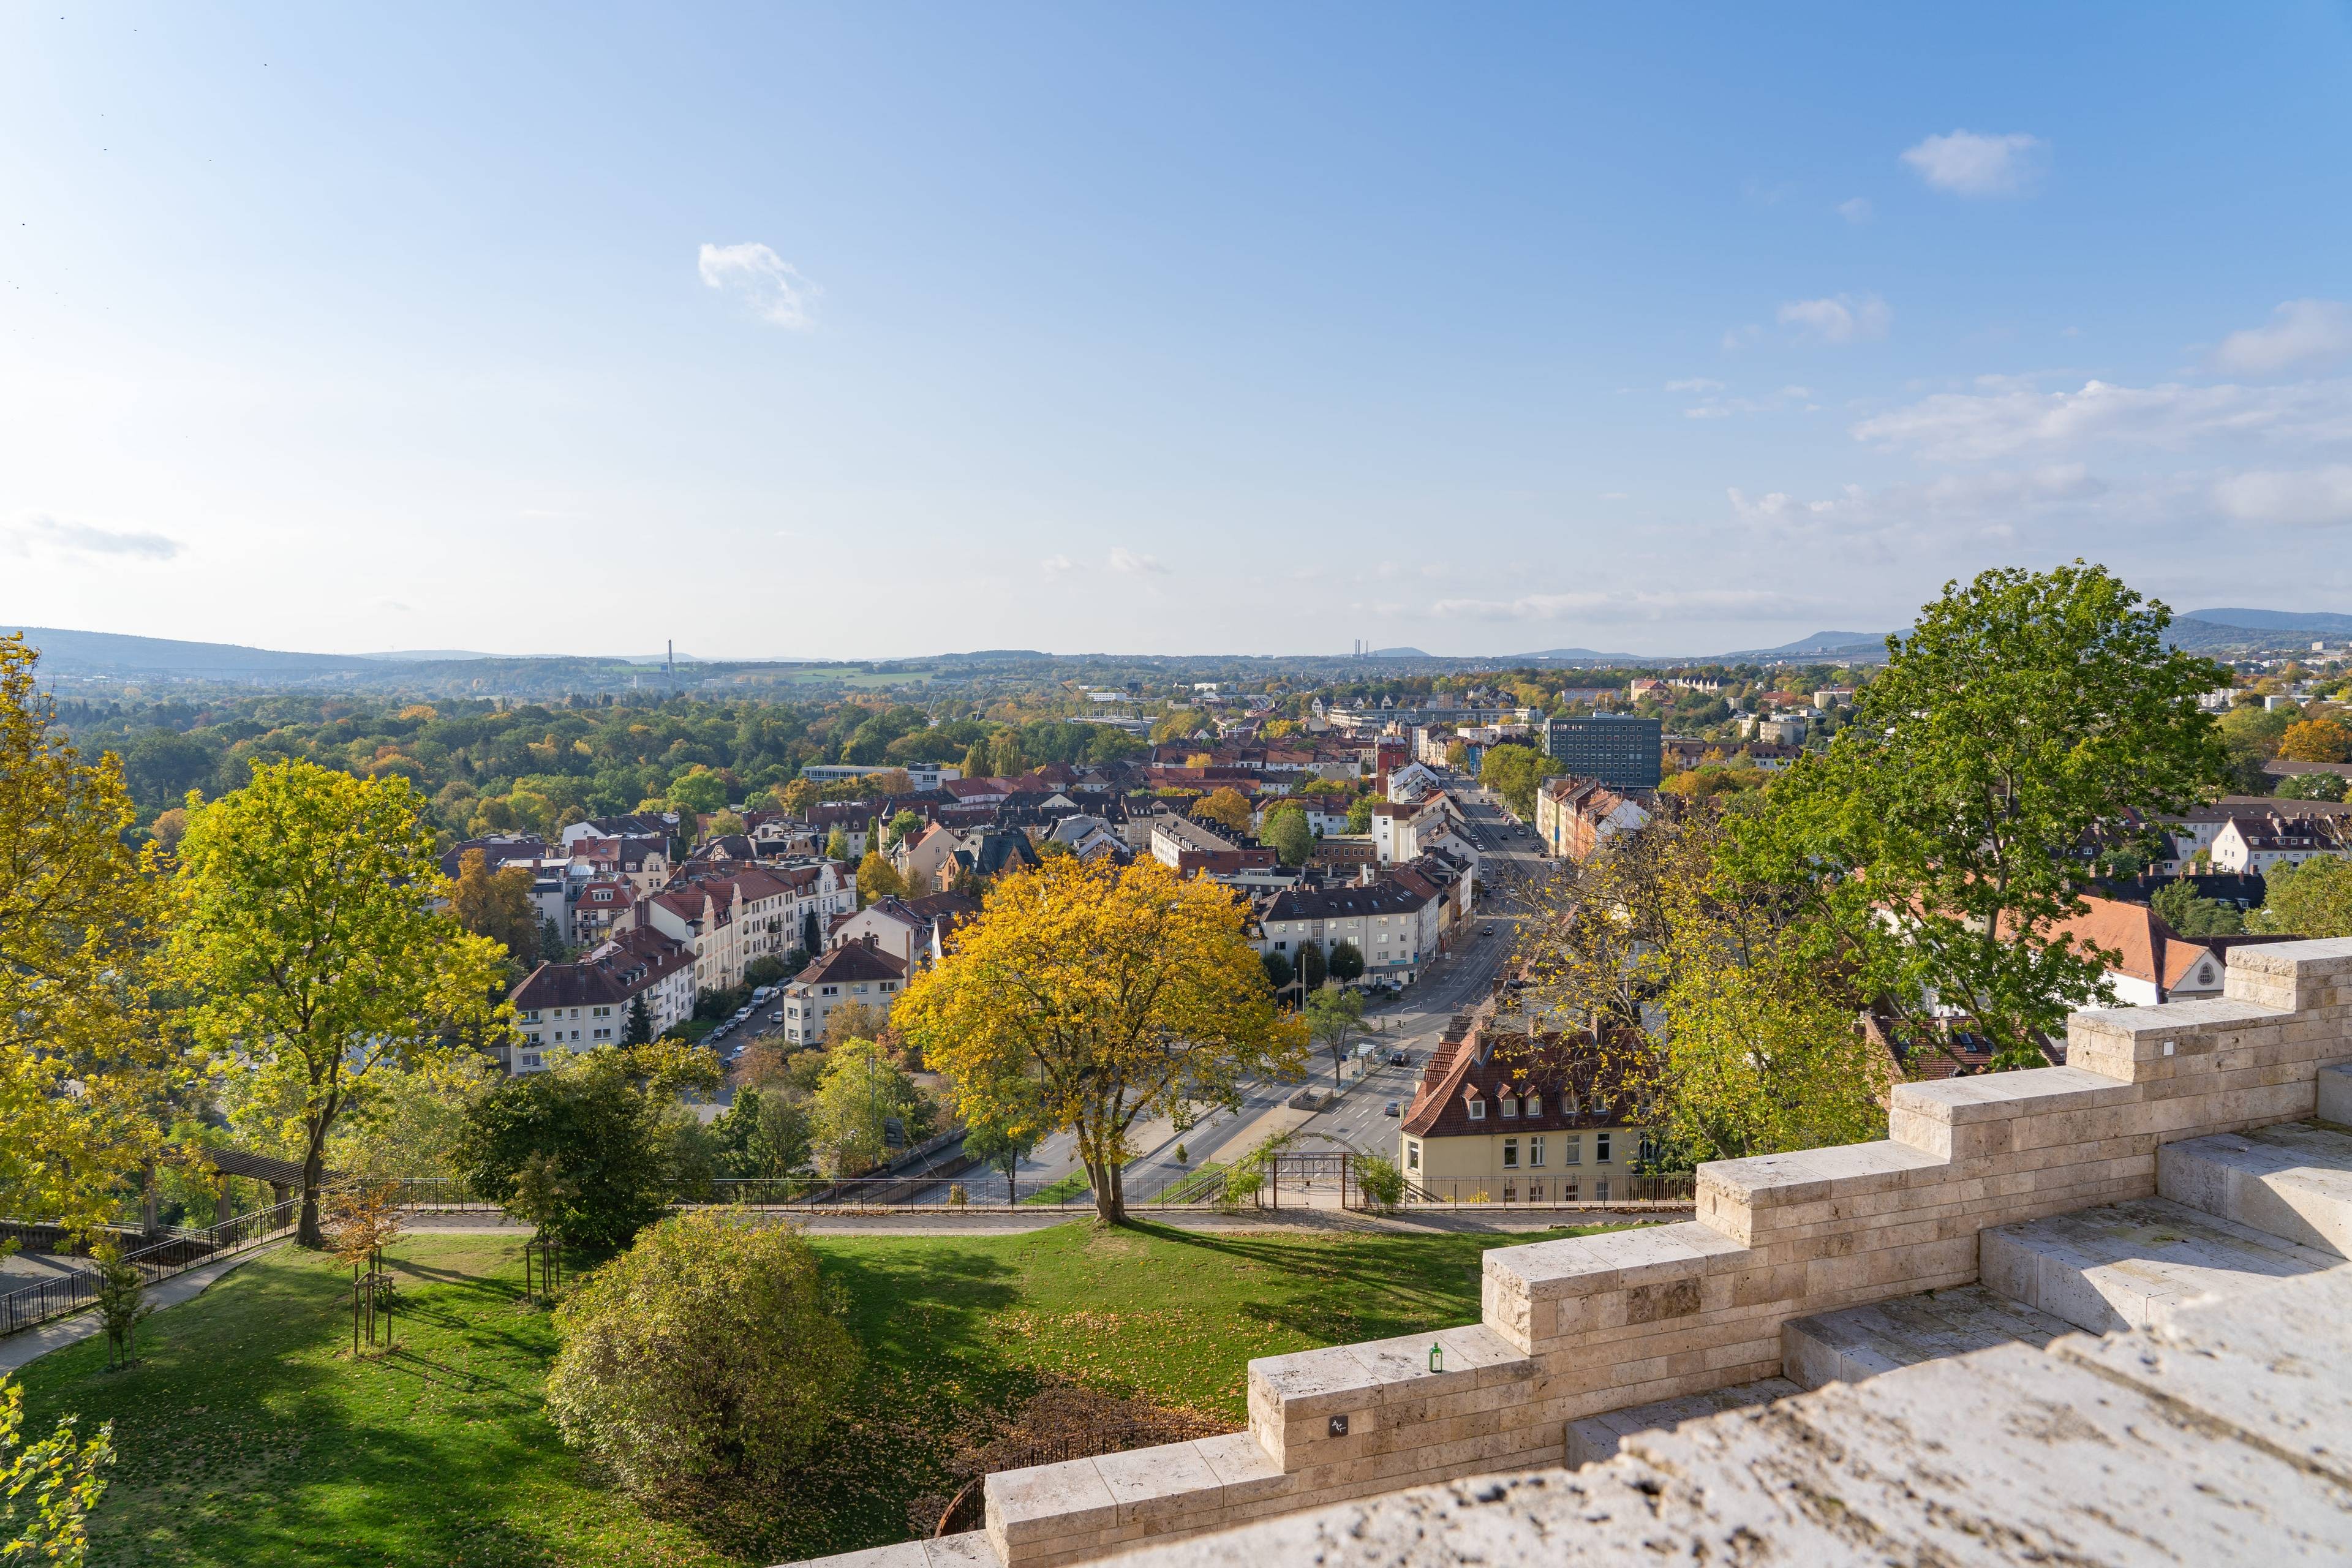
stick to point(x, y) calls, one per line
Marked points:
point(1575, 1328)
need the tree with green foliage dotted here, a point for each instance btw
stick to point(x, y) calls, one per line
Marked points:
point(1346, 964)
point(712, 1349)
point(1312, 969)
point(2250, 736)
point(497, 905)
point(2313, 900)
point(48, 1487)
point(2190, 915)
point(1515, 773)
point(1279, 971)
point(1935, 843)
point(1378, 1178)
point(1360, 814)
point(1002, 1150)
point(878, 879)
point(861, 1090)
point(2313, 787)
point(836, 845)
point(639, 1029)
point(1333, 1017)
point(1287, 835)
point(975, 762)
point(698, 791)
point(311, 941)
point(602, 1118)
point(764, 1134)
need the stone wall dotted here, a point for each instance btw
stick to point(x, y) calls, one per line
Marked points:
point(1578, 1327)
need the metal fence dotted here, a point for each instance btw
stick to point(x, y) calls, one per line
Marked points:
point(166, 1254)
point(1540, 1189)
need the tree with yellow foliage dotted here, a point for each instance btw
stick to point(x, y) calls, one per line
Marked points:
point(1226, 808)
point(78, 909)
point(1086, 997)
point(311, 941)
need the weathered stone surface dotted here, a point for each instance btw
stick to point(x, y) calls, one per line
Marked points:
point(1597, 1438)
point(2273, 1367)
point(2293, 1180)
point(1849, 1345)
point(969, 1549)
point(2007, 1456)
point(2126, 1266)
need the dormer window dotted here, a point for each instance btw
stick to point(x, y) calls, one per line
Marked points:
point(1534, 1105)
point(1477, 1109)
point(1510, 1106)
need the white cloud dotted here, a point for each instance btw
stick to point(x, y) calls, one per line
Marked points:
point(1840, 320)
point(770, 285)
point(1714, 405)
point(39, 534)
point(1962, 426)
point(1969, 164)
point(1854, 210)
point(1625, 605)
point(2300, 333)
point(1739, 338)
point(2312, 498)
point(1976, 506)
point(1055, 566)
point(1134, 565)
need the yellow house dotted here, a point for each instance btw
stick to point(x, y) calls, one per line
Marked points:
point(1521, 1124)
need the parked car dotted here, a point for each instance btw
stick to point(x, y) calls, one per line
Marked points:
point(1391, 1109)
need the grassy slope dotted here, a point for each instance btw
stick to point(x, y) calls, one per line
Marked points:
point(249, 1438)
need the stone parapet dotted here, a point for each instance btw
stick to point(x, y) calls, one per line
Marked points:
point(1576, 1327)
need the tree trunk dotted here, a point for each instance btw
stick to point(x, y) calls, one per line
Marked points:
point(1110, 1198)
point(314, 1165)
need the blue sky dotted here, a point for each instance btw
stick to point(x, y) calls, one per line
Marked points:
point(864, 331)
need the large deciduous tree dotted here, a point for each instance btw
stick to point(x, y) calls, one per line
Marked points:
point(1287, 835)
point(312, 941)
point(1513, 772)
point(77, 910)
point(1943, 834)
point(1086, 996)
point(1225, 807)
point(2313, 900)
point(497, 905)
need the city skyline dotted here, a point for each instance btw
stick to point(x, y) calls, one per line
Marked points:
point(840, 333)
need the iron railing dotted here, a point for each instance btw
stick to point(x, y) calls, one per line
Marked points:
point(172, 1252)
point(1548, 1189)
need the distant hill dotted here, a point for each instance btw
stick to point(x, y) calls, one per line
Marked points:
point(2316, 623)
point(113, 653)
point(1399, 653)
point(1830, 647)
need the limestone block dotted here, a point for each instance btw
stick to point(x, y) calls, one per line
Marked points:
point(1034, 1505)
point(905, 1555)
point(1854, 1343)
point(1597, 1439)
point(1160, 1485)
point(969, 1549)
point(2335, 1094)
point(2294, 1181)
point(2127, 1265)
point(2274, 1368)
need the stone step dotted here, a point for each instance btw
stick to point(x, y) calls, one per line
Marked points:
point(2293, 1181)
point(1596, 1437)
point(1856, 1342)
point(2131, 1265)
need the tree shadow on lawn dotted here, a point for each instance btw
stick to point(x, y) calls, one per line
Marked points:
point(247, 1436)
point(1374, 1286)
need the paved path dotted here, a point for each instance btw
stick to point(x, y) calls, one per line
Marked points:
point(1419, 1221)
point(34, 1343)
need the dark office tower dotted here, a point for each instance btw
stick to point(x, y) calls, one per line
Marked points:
point(1620, 751)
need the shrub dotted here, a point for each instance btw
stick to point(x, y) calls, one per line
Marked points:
point(1383, 1182)
point(709, 1348)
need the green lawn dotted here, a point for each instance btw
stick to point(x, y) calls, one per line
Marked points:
point(248, 1437)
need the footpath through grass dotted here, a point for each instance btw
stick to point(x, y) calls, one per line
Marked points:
point(248, 1435)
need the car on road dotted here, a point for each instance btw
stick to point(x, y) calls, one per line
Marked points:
point(1488, 931)
point(1390, 1109)
point(1398, 1059)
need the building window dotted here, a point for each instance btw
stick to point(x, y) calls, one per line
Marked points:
point(1477, 1111)
point(600, 1012)
point(1412, 1156)
point(1572, 1149)
point(1534, 1105)
point(1510, 1151)
point(1510, 1106)
point(1535, 1150)
point(1600, 1147)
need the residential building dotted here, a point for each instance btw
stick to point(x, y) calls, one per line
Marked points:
point(1575, 817)
point(642, 860)
point(2147, 962)
point(604, 903)
point(1395, 926)
point(906, 928)
point(1402, 833)
point(499, 851)
point(1521, 1118)
point(580, 1005)
point(1088, 838)
point(1411, 781)
point(855, 972)
point(634, 824)
point(924, 775)
point(752, 912)
point(1620, 749)
point(2262, 844)
point(923, 859)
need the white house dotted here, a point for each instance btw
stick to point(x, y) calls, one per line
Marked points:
point(855, 972)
